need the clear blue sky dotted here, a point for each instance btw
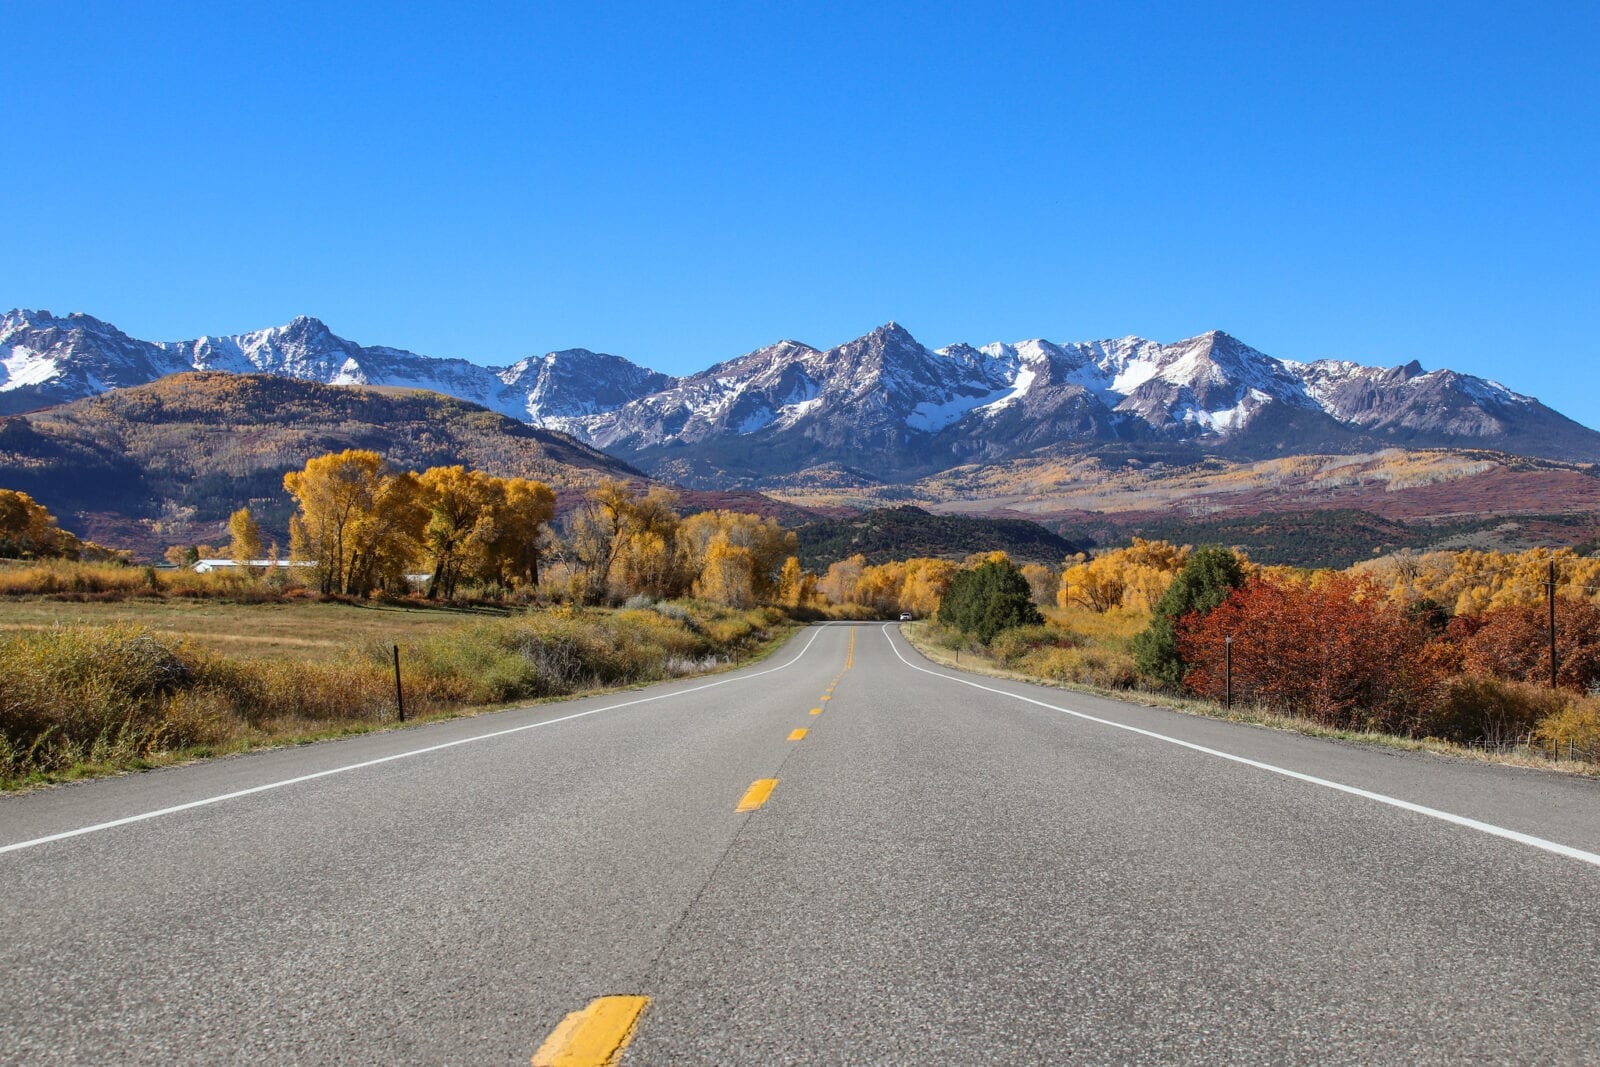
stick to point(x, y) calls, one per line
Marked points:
point(682, 183)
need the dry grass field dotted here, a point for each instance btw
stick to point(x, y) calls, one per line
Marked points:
point(296, 629)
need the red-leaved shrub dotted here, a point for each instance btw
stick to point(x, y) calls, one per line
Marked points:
point(1334, 651)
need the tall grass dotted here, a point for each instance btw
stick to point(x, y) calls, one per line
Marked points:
point(75, 579)
point(83, 698)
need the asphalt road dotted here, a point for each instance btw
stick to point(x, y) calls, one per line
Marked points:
point(950, 869)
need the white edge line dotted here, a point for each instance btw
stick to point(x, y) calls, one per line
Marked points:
point(1395, 802)
point(143, 816)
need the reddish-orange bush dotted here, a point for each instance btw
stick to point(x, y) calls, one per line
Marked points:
point(1514, 643)
point(1334, 651)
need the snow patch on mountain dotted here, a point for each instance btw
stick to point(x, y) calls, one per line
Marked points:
point(879, 395)
point(23, 366)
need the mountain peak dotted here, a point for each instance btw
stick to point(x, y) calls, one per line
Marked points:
point(306, 326)
point(45, 320)
point(892, 329)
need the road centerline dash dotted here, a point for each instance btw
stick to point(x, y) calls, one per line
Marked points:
point(756, 795)
point(594, 1036)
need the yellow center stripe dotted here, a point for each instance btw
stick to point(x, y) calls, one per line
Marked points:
point(816, 711)
point(797, 735)
point(593, 1037)
point(757, 794)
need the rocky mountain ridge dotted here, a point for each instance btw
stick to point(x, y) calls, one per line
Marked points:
point(881, 407)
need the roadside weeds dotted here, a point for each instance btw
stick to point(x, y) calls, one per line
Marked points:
point(916, 634)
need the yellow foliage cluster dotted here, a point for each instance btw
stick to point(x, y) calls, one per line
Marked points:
point(623, 543)
point(29, 531)
point(912, 585)
point(1471, 582)
point(363, 524)
point(1134, 577)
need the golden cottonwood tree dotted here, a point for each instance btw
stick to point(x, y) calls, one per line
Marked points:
point(749, 541)
point(359, 521)
point(1134, 577)
point(29, 531)
point(463, 507)
point(838, 585)
point(244, 537)
point(791, 583)
point(726, 573)
point(597, 532)
point(927, 581)
point(647, 561)
point(526, 509)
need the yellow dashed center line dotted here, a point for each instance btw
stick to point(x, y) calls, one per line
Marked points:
point(593, 1037)
point(816, 711)
point(757, 794)
point(797, 735)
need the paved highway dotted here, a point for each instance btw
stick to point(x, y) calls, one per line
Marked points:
point(948, 869)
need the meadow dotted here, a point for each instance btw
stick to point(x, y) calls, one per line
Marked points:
point(97, 687)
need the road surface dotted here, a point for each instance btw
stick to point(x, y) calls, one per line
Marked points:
point(948, 869)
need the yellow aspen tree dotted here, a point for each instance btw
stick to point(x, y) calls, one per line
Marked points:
point(245, 537)
point(358, 521)
point(526, 510)
point(789, 583)
point(461, 507)
point(725, 577)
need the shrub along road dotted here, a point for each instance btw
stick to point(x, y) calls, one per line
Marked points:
point(943, 872)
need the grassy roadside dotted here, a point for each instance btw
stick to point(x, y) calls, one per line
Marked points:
point(304, 629)
point(920, 636)
point(89, 700)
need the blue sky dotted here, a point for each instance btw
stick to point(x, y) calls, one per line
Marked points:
point(682, 183)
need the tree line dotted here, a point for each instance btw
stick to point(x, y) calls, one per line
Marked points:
point(365, 526)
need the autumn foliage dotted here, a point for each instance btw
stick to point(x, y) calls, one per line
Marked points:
point(1513, 642)
point(29, 531)
point(1334, 650)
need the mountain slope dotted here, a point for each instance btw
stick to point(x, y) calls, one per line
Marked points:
point(886, 534)
point(45, 359)
point(168, 461)
point(884, 408)
point(880, 408)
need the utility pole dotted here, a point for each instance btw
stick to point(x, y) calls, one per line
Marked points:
point(1550, 589)
point(399, 694)
point(1227, 652)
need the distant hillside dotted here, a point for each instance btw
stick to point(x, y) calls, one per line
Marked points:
point(1338, 537)
point(166, 463)
point(897, 533)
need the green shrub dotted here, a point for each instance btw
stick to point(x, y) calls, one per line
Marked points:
point(1011, 646)
point(1208, 576)
point(987, 599)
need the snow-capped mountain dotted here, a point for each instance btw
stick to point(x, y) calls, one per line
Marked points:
point(576, 382)
point(881, 406)
point(45, 359)
point(885, 405)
